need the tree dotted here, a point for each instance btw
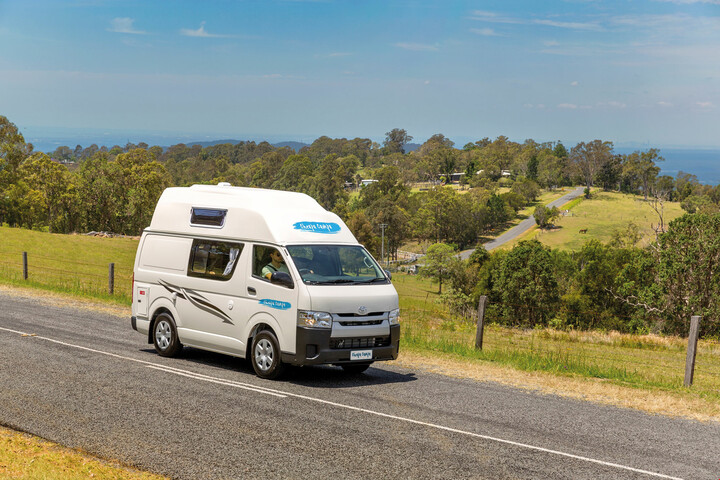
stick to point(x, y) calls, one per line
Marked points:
point(642, 166)
point(13, 148)
point(588, 159)
point(681, 275)
point(610, 173)
point(545, 216)
point(525, 284)
point(362, 229)
point(532, 167)
point(53, 182)
point(396, 139)
point(438, 261)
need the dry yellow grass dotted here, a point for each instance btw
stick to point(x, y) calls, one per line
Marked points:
point(24, 457)
point(588, 389)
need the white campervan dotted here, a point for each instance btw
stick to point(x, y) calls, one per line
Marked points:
point(262, 274)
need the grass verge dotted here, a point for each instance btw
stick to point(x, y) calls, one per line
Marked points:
point(25, 457)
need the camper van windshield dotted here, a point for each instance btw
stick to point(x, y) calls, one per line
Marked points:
point(336, 264)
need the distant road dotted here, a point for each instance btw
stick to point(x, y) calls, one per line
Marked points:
point(525, 225)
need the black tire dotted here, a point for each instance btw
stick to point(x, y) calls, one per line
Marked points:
point(355, 368)
point(165, 337)
point(265, 355)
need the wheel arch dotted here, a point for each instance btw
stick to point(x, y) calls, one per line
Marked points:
point(257, 324)
point(159, 307)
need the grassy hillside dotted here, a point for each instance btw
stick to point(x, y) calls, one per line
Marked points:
point(67, 263)
point(602, 215)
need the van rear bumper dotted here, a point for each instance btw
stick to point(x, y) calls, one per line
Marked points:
point(315, 347)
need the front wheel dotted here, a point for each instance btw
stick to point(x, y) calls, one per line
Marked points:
point(266, 355)
point(354, 368)
point(165, 336)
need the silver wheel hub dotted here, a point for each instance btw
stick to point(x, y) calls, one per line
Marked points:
point(264, 354)
point(163, 334)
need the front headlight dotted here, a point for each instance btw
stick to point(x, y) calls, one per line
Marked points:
point(394, 317)
point(308, 318)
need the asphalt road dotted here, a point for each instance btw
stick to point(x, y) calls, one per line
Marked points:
point(525, 225)
point(86, 380)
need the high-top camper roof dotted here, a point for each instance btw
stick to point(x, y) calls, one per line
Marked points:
point(248, 214)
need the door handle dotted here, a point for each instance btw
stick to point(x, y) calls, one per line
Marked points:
point(251, 290)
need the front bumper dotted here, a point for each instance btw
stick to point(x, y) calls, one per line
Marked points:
point(314, 346)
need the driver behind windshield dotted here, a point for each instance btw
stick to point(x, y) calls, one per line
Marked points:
point(277, 264)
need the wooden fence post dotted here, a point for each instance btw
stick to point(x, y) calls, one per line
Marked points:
point(111, 279)
point(480, 322)
point(692, 349)
point(25, 266)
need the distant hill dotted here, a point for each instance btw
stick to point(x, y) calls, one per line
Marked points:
point(411, 147)
point(294, 145)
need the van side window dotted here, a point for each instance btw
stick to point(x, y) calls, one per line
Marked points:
point(216, 260)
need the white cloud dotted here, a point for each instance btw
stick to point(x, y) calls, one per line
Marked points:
point(568, 106)
point(704, 104)
point(200, 32)
point(569, 25)
point(612, 104)
point(664, 104)
point(417, 47)
point(486, 32)
point(485, 16)
point(124, 25)
point(551, 43)
point(574, 84)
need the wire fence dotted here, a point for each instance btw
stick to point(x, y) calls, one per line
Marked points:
point(427, 322)
point(649, 359)
point(67, 275)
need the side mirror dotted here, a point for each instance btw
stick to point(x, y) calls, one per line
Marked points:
point(282, 278)
point(389, 275)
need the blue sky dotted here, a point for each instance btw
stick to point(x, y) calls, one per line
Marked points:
point(635, 71)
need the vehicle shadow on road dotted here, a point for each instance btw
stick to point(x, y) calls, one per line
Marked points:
point(327, 376)
point(319, 376)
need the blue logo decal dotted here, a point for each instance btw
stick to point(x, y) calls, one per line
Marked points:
point(275, 304)
point(317, 227)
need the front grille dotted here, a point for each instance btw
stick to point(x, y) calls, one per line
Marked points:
point(358, 324)
point(371, 314)
point(363, 342)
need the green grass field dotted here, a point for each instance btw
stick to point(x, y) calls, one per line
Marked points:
point(601, 216)
point(75, 264)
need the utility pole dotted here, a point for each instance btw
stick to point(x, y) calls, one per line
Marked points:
point(382, 251)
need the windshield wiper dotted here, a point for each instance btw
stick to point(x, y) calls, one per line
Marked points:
point(373, 280)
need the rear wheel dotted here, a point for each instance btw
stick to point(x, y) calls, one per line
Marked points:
point(165, 337)
point(266, 355)
point(355, 368)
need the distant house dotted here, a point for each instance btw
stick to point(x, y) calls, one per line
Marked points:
point(366, 182)
point(456, 177)
point(506, 173)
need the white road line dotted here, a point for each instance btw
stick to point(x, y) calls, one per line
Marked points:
point(155, 366)
point(282, 394)
point(219, 381)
